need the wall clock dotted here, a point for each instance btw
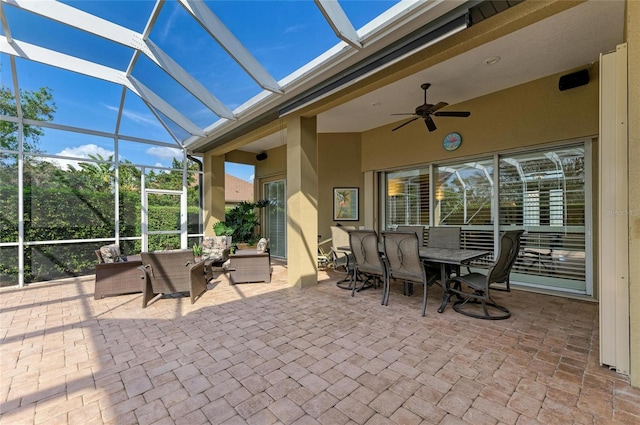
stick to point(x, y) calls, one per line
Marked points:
point(452, 141)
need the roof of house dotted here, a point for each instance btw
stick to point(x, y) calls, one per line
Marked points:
point(236, 190)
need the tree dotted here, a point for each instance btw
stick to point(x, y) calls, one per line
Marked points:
point(36, 105)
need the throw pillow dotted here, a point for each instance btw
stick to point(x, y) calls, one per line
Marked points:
point(110, 253)
point(263, 245)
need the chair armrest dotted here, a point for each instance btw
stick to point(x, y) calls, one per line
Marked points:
point(197, 266)
point(121, 265)
point(197, 280)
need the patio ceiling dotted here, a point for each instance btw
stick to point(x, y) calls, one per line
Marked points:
point(146, 51)
point(568, 40)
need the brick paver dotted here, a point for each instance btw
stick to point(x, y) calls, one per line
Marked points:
point(269, 353)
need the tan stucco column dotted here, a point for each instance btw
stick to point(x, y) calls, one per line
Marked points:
point(302, 201)
point(213, 205)
point(633, 44)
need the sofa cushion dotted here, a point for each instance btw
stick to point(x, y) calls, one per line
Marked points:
point(111, 253)
point(213, 247)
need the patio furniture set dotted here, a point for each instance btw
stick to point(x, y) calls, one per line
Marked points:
point(177, 271)
point(401, 257)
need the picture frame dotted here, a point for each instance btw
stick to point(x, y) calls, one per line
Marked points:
point(345, 204)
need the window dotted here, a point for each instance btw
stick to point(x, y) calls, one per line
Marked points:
point(276, 217)
point(540, 190)
point(407, 200)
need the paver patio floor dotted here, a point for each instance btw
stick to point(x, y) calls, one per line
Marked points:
point(269, 353)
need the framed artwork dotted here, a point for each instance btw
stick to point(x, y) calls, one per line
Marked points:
point(345, 203)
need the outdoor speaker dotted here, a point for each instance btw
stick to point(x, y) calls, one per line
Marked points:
point(575, 79)
point(261, 156)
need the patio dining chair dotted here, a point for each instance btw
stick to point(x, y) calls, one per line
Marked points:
point(339, 239)
point(474, 288)
point(419, 230)
point(369, 265)
point(444, 237)
point(404, 263)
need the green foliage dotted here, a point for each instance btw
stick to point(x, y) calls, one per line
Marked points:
point(76, 203)
point(241, 221)
point(221, 229)
point(36, 105)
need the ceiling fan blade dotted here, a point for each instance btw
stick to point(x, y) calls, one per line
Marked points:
point(452, 114)
point(405, 113)
point(437, 106)
point(431, 126)
point(402, 125)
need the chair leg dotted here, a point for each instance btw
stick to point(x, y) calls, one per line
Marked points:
point(485, 301)
point(424, 299)
point(385, 291)
point(353, 283)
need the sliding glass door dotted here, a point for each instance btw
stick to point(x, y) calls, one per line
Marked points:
point(275, 217)
point(545, 192)
point(542, 191)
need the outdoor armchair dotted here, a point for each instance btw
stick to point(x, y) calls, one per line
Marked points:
point(216, 249)
point(250, 265)
point(118, 275)
point(167, 272)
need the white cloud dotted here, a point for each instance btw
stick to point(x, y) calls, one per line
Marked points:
point(82, 151)
point(164, 152)
point(252, 177)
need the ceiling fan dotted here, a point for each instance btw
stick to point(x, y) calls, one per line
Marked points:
point(426, 110)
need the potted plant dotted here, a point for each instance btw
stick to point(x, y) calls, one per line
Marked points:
point(197, 252)
point(240, 222)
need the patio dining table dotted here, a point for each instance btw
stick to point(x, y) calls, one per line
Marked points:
point(448, 256)
point(441, 256)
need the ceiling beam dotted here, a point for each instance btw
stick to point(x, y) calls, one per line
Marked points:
point(339, 22)
point(35, 53)
point(169, 111)
point(216, 28)
point(70, 63)
point(92, 24)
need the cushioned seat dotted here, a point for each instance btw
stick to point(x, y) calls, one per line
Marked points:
point(116, 274)
point(216, 249)
point(168, 272)
point(249, 265)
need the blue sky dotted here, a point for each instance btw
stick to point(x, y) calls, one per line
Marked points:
point(281, 35)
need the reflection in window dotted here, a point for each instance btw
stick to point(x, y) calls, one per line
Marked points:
point(407, 201)
point(543, 188)
point(464, 193)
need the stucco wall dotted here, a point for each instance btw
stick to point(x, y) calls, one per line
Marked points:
point(275, 164)
point(339, 158)
point(526, 115)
